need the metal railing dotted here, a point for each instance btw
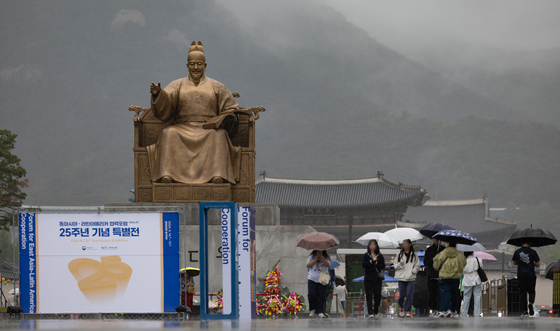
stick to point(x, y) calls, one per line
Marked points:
point(494, 297)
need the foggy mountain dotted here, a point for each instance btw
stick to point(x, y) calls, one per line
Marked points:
point(526, 81)
point(339, 104)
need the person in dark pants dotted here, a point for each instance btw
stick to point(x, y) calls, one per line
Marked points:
point(526, 260)
point(450, 263)
point(330, 294)
point(317, 262)
point(433, 276)
point(373, 262)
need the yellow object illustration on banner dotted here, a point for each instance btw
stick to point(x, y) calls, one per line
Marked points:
point(101, 282)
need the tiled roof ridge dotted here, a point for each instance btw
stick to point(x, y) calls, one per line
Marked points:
point(370, 180)
point(442, 203)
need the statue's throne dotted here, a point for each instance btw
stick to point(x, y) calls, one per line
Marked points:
point(148, 129)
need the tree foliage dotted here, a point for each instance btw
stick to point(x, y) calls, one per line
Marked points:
point(11, 179)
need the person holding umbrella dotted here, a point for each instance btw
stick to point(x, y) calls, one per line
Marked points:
point(373, 263)
point(472, 284)
point(526, 260)
point(429, 230)
point(450, 263)
point(407, 265)
point(318, 262)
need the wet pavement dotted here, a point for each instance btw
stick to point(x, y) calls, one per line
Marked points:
point(487, 323)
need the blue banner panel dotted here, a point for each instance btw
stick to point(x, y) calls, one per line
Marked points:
point(28, 262)
point(171, 283)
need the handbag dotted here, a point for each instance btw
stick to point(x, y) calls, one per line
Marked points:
point(324, 278)
point(190, 289)
point(481, 272)
point(379, 274)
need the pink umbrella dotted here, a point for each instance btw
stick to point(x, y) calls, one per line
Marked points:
point(317, 241)
point(485, 256)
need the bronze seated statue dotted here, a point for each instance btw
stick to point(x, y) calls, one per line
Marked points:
point(194, 143)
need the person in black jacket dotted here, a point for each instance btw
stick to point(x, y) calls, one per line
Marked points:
point(373, 262)
point(433, 275)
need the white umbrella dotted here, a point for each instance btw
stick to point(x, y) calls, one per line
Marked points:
point(383, 240)
point(477, 247)
point(401, 234)
point(12, 291)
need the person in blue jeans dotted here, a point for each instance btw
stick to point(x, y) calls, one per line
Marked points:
point(407, 266)
point(450, 263)
point(472, 285)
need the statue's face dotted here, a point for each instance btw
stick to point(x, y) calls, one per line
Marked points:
point(196, 63)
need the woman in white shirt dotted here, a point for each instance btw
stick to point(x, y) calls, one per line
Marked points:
point(407, 266)
point(472, 285)
point(317, 262)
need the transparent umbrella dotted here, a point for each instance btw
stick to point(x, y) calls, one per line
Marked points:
point(383, 240)
point(401, 234)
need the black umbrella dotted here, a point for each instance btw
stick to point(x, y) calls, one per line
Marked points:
point(535, 236)
point(550, 269)
point(430, 229)
point(456, 237)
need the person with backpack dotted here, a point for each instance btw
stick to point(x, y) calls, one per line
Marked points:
point(373, 263)
point(526, 260)
point(407, 265)
point(450, 263)
point(472, 285)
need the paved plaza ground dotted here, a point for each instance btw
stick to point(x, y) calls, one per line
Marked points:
point(490, 323)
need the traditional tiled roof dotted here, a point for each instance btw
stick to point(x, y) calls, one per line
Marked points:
point(376, 191)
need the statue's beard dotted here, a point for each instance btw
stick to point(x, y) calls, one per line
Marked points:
point(196, 75)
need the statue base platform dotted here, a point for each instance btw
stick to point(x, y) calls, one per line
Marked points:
point(187, 193)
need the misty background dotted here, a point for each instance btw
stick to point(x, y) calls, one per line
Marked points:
point(460, 97)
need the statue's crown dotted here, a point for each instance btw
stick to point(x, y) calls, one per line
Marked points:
point(196, 48)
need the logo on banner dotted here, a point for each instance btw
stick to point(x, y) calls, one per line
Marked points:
point(101, 282)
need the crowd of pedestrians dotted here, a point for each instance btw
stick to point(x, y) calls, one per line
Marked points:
point(447, 269)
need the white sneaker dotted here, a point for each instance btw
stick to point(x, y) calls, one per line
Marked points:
point(442, 314)
point(312, 314)
point(377, 316)
point(321, 315)
point(449, 314)
point(371, 316)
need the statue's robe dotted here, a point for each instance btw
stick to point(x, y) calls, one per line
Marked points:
point(186, 151)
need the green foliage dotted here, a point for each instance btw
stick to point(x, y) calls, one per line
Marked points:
point(11, 179)
point(542, 216)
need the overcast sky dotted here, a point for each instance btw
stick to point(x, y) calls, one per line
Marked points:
point(407, 24)
point(411, 26)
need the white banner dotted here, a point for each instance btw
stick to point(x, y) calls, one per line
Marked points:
point(89, 263)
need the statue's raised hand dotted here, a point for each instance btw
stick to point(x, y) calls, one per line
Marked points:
point(155, 89)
